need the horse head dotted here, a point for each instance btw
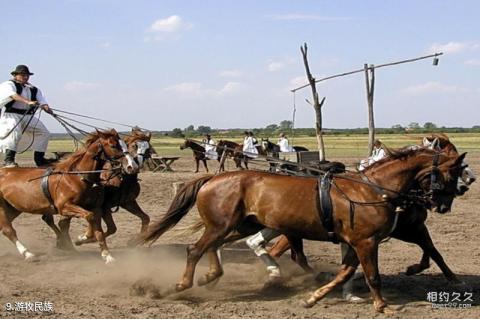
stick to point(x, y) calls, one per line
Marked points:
point(439, 180)
point(108, 147)
point(138, 143)
point(441, 142)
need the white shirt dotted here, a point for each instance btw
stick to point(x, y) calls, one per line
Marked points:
point(284, 147)
point(249, 148)
point(7, 89)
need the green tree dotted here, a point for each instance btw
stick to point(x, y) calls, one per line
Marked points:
point(414, 126)
point(190, 128)
point(204, 129)
point(272, 127)
point(286, 125)
point(429, 126)
point(177, 132)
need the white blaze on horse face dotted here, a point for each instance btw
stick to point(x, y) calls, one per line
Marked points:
point(132, 167)
point(142, 147)
point(468, 176)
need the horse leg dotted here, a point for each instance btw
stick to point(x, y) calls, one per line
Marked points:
point(298, 255)
point(215, 270)
point(87, 237)
point(135, 209)
point(421, 237)
point(197, 162)
point(210, 238)
point(94, 218)
point(280, 247)
point(49, 220)
point(347, 269)
point(63, 242)
point(7, 215)
point(367, 252)
point(205, 164)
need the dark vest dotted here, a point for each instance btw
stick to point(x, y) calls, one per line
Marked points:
point(9, 106)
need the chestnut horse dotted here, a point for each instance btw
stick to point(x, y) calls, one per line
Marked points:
point(411, 223)
point(70, 195)
point(121, 190)
point(363, 216)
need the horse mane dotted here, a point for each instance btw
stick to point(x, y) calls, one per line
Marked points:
point(397, 153)
point(135, 135)
point(68, 163)
point(443, 139)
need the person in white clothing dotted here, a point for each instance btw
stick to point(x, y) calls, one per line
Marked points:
point(283, 143)
point(19, 129)
point(210, 147)
point(377, 154)
point(249, 148)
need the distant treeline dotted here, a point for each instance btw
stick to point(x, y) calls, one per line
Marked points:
point(273, 130)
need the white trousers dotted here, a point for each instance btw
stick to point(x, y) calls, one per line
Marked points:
point(35, 135)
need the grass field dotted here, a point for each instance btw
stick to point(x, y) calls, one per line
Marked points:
point(335, 145)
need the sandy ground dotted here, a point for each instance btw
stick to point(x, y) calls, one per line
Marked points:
point(81, 285)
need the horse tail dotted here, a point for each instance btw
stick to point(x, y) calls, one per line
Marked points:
point(181, 204)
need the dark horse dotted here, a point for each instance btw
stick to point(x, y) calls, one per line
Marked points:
point(229, 148)
point(198, 153)
point(122, 190)
point(411, 222)
point(273, 148)
point(70, 195)
point(242, 201)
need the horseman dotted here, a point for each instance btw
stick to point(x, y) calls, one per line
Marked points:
point(283, 143)
point(210, 147)
point(19, 129)
point(377, 154)
point(249, 142)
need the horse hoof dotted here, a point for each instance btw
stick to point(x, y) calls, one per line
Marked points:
point(179, 287)
point(109, 260)
point(30, 257)
point(307, 304)
point(414, 269)
point(387, 310)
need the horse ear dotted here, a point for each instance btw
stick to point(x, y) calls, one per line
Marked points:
point(149, 135)
point(460, 159)
point(436, 144)
point(425, 142)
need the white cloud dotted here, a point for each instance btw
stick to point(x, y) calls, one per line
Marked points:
point(169, 27)
point(473, 62)
point(296, 16)
point(280, 64)
point(453, 47)
point(432, 87)
point(231, 73)
point(196, 90)
point(77, 86)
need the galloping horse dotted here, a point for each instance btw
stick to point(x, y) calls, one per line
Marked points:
point(122, 190)
point(37, 191)
point(198, 153)
point(411, 223)
point(229, 148)
point(363, 216)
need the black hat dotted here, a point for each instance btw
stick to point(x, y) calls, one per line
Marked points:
point(21, 69)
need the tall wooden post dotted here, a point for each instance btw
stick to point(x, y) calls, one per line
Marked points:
point(370, 84)
point(316, 105)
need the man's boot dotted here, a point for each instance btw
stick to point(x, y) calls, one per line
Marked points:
point(10, 159)
point(40, 160)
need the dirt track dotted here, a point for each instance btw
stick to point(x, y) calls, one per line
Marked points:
point(80, 285)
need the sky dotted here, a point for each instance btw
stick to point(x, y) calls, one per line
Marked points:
point(231, 64)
